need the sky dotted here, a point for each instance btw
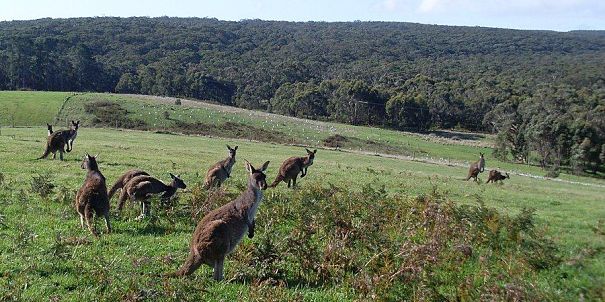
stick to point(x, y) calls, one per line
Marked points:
point(560, 15)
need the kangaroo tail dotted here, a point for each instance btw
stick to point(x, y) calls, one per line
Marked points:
point(46, 153)
point(118, 185)
point(277, 180)
point(191, 264)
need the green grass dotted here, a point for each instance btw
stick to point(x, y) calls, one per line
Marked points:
point(566, 212)
point(30, 108)
point(44, 253)
point(299, 131)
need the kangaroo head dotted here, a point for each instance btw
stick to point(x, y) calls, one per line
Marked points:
point(89, 162)
point(49, 127)
point(177, 182)
point(311, 155)
point(257, 177)
point(232, 151)
point(75, 125)
point(481, 155)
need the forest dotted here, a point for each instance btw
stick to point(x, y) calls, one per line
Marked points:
point(542, 92)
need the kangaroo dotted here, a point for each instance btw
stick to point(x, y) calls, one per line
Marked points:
point(218, 173)
point(221, 230)
point(143, 186)
point(50, 129)
point(59, 139)
point(122, 181)
point(92, 196)
point(288, 172)
point(476, 168)
point(495, 176)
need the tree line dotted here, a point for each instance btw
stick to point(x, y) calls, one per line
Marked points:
point(541, 91)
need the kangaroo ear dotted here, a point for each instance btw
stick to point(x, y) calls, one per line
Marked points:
point(228, 147)
point(314, 151)
point(264, 167)
point(172, 176)
point(235, 148)
point(249, 167)
point(308, 151)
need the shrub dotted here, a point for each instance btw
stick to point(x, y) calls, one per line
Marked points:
point(41, 185)
point(111, 114)
point(394, 247)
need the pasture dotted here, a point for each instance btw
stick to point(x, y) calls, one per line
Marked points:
point(384, 204)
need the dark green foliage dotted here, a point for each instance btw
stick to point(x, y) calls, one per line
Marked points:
point(562, 126)
point(406, 112)
point(459, 72)
point(393, 248)
point(111, 114)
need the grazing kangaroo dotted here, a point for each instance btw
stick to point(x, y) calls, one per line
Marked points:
point(143, 186)
point(288, 172)
point(92, 196)
point(59, 139)
point(50, 129)
point(476, 168)
point(495, 176)
point(221, 230)
point(122, 181)
point(218, 173)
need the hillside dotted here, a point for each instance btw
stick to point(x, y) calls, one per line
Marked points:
point(200, 118)
point(365, 220)
point(399, 76)
point(252, 64)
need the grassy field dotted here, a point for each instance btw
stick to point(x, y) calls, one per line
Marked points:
point(30, 108)
point(222, 121)
point(558, 255)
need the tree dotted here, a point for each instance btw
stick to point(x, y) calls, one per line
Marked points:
point(405, 112)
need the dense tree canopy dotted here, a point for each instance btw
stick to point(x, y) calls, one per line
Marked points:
point(542, 91)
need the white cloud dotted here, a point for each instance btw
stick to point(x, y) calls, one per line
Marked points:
point(427, 6)
point(390, 5)
point(526, 7)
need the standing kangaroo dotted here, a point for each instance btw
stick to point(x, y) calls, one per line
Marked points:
point(122, 181)
point(59, 139)
point(495, 176)
point(221, 230)
point(92, 196)
point(143, 186)
point(476, 168)
point(218, 173)
point(288, 172)
point(50, 129)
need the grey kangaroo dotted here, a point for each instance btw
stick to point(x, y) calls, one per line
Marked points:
point(92, 196)
point(221, 230)
point(476, 168)
point(220, 171)
point(288, 172)
point(143, 186)
point(59, 139)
